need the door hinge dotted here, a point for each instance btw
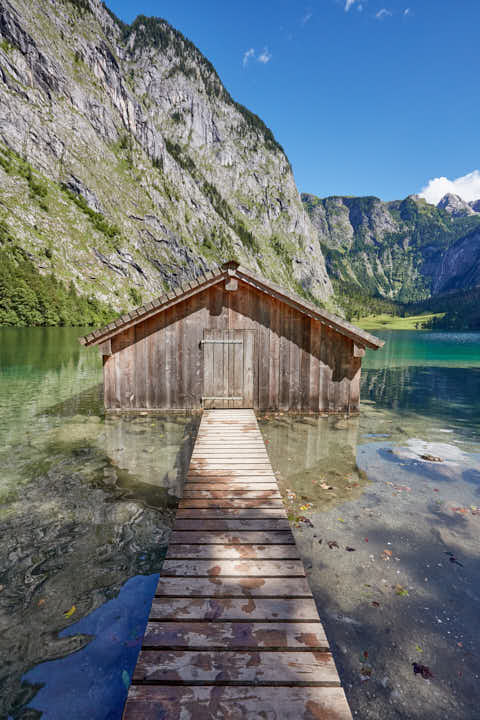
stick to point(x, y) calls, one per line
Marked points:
point(223, 342)
point(204, 397)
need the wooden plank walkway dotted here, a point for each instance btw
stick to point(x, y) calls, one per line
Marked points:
point(233, 631)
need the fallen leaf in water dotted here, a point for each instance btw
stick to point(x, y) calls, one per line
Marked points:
point(41, 602)
point(332, 544)
point(422, 670)
point(126, 679)
point(375, 603)
point(431, 458)
point(70, 612)
point(341, 520)
point(460, 644)
point(366, 539)
point(454, 560)
point(350, 549)
point(400, 590)
point(320, 541)
point(324, 486)
point(418, 648)
point(305, 520)
point(388, 553)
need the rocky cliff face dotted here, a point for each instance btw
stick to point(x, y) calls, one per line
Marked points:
point(405, 250)
point(125, 165)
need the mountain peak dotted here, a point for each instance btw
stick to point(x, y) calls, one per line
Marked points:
point(455, 206)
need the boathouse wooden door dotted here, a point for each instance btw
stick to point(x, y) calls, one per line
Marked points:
point(228, 368)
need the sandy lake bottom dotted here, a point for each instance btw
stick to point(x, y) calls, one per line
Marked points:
point(385, 509)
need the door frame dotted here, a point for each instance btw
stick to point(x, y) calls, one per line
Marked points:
point(228, 378)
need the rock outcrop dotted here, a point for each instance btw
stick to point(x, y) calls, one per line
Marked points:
point(455, 206)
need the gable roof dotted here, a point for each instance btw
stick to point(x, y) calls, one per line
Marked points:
point(231, 269)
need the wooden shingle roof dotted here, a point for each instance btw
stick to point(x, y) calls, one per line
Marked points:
point(217, 275)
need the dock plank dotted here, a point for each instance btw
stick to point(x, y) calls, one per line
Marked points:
point(263, 500)
point(234, 668)
point(243, 635)
point(233, 524)
point(233, 568)
point(233, 484)
point(151, 702)
point(230, 493)
point(229, 512)
point(233, 609)
point(234, 537)
point(233, 552)
point(233, 587)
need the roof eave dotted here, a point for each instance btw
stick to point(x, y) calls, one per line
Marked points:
point(150, 309)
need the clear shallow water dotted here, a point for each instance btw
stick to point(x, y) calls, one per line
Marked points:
point(386, 513)
point(86, 505)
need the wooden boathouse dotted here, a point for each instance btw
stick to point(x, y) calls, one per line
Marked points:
point(232, 340)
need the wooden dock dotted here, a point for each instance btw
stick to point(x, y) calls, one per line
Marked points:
point(233, 631)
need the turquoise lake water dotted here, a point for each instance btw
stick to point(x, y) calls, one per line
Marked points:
point(87, 503)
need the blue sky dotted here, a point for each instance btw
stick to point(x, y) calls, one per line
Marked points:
point(368, 97)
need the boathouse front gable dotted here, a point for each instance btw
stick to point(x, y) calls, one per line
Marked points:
point(234, 340)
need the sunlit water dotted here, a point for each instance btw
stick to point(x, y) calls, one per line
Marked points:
point(87, 502)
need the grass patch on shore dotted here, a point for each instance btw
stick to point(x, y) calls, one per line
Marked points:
point(395, 322)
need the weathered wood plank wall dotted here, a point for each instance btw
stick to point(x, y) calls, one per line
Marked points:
point(299, 363)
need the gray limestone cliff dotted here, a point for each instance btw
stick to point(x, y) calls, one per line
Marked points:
point(127, 168)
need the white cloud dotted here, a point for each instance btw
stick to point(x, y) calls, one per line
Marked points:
point(307, 17)
point(383, 13)
point(265, 56)
point(349, 4)
point(247, 55)
point(468, 187)
point(407, 11)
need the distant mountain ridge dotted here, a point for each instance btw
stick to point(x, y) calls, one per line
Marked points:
point(406, 250)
